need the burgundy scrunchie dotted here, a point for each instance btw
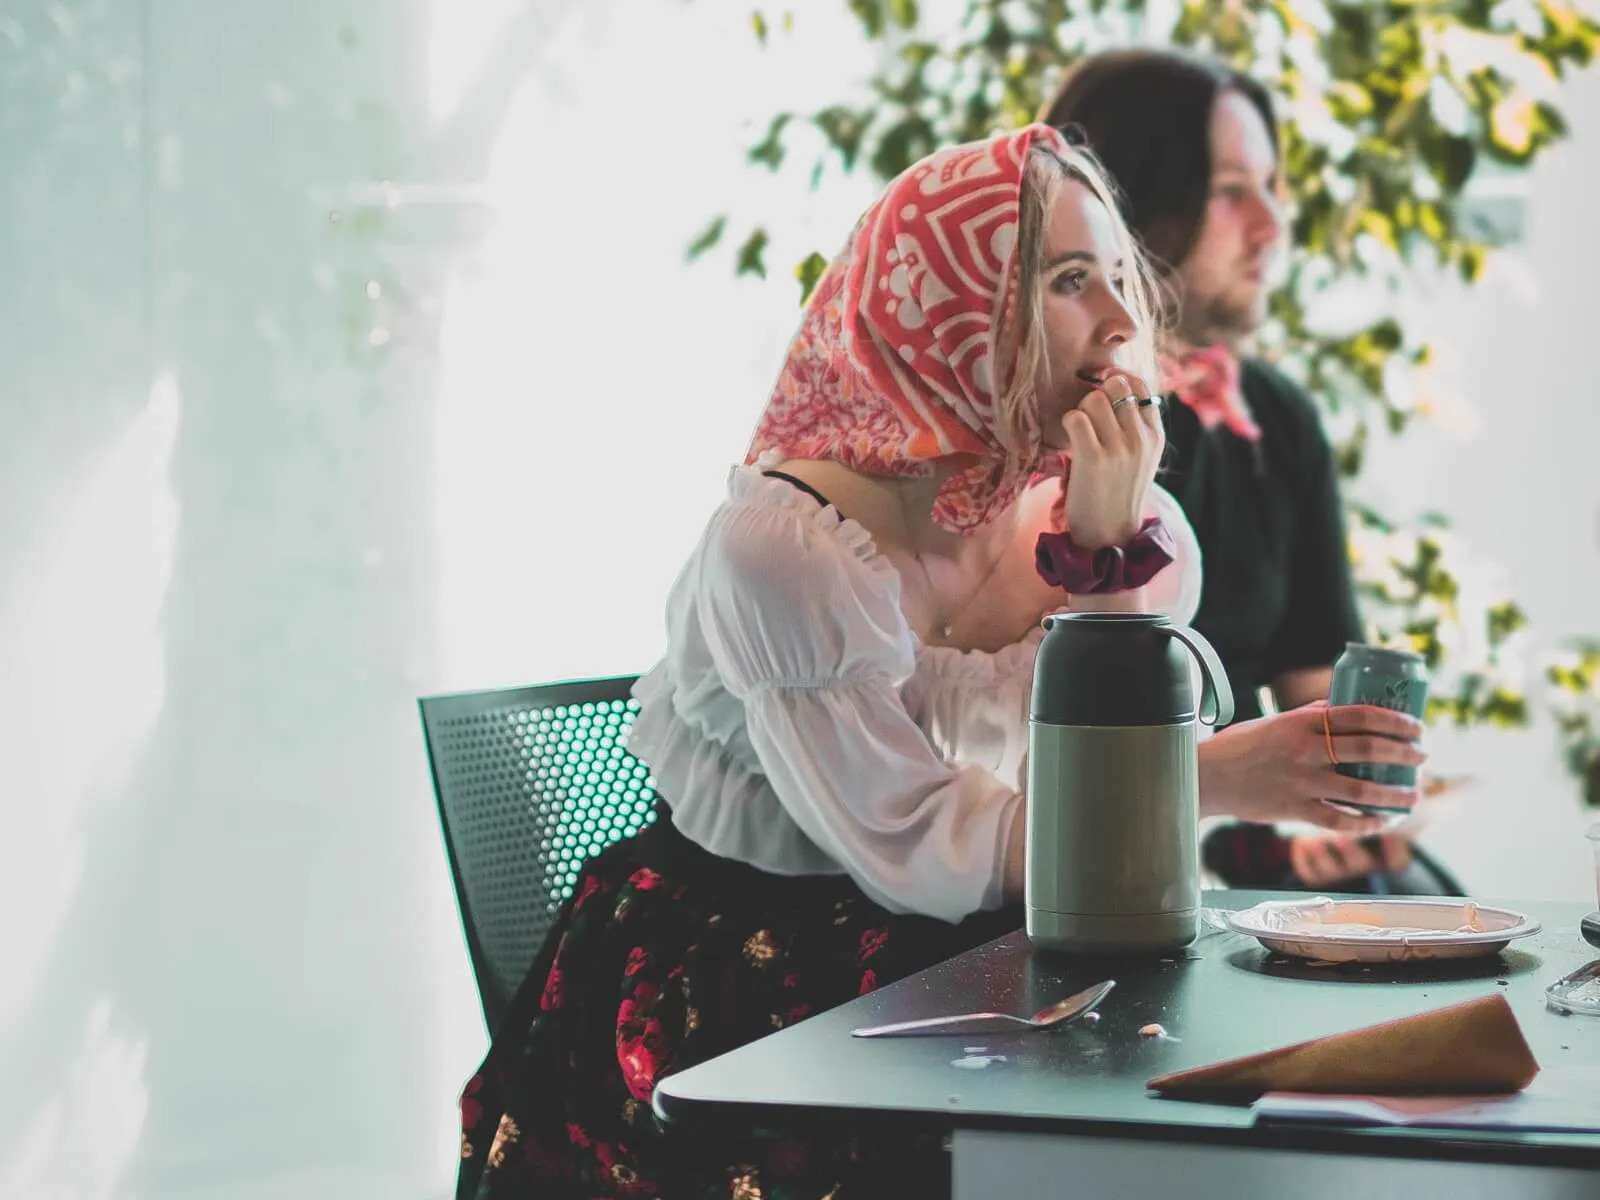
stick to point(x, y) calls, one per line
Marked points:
point(1063, 563)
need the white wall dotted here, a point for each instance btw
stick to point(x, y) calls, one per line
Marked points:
point(217, 602)
point(240, 531)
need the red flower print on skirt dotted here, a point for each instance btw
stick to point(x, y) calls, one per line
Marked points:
point(642, 1058)
point(553, 990)
point(634, 1009)
point(471, 1109)
point(872, 941)
point(622, 1176)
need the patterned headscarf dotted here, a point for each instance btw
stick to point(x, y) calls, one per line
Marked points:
point(897, 364)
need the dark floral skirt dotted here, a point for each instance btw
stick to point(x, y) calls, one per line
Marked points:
point(665, 957)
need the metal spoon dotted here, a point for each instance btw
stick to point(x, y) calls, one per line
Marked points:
point(1048, 1017)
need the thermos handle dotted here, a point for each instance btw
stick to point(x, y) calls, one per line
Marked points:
point(1216, 699)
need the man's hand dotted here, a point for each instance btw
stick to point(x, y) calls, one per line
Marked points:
point(1323, 859)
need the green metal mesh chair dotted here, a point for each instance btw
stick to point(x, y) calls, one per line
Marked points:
point(530, 783)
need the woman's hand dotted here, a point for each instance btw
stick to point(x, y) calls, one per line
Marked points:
point(1115, 438)
point(1278, 768)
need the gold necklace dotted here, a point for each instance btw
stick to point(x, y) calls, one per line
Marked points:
point(943, 624)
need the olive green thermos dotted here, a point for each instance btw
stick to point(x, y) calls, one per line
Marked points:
point(1113, 798)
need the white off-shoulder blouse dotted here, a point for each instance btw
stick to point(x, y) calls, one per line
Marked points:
point(798, 724)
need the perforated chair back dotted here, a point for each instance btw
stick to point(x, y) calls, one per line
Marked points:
point(530, 783)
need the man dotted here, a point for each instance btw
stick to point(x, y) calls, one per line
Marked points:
point(1194, 147)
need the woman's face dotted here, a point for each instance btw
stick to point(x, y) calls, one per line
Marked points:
point(1085, 317)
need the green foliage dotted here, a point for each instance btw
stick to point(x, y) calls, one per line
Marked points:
point(708, 237)
point(809, 271)
point(751, 259)
point(1574, 681)
point(1390, 108)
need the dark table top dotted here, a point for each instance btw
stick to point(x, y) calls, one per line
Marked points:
point(1224, 997)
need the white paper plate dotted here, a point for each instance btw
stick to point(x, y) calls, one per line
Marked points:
point(1381, 930)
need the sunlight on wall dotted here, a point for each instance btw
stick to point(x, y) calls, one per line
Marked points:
point(594, 387)
point(84, 1134)
point(460, 36)
point(89, 617)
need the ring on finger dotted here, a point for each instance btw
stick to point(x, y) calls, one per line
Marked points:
point(1117, 405)
point(1327, 740)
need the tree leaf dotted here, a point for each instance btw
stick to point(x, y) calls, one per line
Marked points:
point(844, 130)
point(769, 151)
point(1451, 161)
point(1505, 619)
point(871, 15)
point(708, 237)
point(910, 140)
point(808, 271)
point(1349, 101)
point(751, 259)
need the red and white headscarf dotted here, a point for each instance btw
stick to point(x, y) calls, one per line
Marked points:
point(897, 364)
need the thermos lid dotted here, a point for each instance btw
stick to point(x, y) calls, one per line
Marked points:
point(1112, 669)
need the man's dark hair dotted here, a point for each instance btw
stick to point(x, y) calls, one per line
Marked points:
point(1146, 113)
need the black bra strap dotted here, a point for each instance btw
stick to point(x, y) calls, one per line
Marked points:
point(803, 486)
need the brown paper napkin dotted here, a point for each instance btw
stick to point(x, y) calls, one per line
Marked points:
point(1475, 1048)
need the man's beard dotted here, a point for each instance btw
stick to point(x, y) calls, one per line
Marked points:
point(1209, 319)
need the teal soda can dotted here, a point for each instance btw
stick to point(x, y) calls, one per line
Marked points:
point(1393, 679)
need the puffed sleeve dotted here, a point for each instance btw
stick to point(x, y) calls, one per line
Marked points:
point(816, 648)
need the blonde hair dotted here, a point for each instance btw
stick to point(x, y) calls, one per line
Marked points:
point(1043, 174)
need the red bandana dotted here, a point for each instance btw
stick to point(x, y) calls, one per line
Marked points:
point(1207, 380)
point(896, 365)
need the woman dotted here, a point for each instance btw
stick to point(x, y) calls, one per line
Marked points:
point(839, 723)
